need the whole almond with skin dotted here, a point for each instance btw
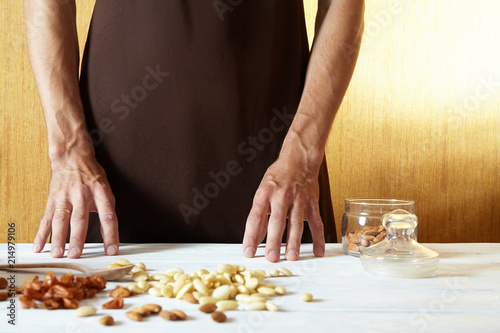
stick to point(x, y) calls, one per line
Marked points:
point(368, 237)
point(208, 308)
point(219, 317)
point(353, 247)
point(3, 296)
point(181, 315)
point(134, 316)
point(3, 283)
point(152, 308)
point(188, 297)
point(142, 311)
point(106, 321)
point(168, 315)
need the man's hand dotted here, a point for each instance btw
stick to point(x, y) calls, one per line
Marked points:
point(79, 184)
point(289, 188)
point(77, 188)
point(289, 192)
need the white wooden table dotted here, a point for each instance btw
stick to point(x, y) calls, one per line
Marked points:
point(464, 297)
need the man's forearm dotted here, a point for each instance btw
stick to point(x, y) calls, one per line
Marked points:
point(331, 65)
point(54, 54)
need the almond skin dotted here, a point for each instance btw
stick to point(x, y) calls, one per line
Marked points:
point(188, 297)
point(3, 283)
point(167, 315)
point(181, 315)
point(134, 316)
point(3, 296)
point(152, 308)
point(219, 317)
point(142, 311)
point(208, 308)
point(106, 321)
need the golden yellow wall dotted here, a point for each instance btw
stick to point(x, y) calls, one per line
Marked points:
point(420, 120)
point(24, 165)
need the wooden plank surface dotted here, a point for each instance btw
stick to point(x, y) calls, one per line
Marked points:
point(463, 297)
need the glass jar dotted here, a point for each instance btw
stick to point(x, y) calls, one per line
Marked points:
point(361, 223)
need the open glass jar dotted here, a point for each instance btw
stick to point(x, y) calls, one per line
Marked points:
point(361, 222)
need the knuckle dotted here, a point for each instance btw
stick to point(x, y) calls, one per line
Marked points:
point(273, 243)
point(316, 225)
point(261, 195)
point(254, 220)
point(59, 217)
point(108, 200)
point(296, 223)
point(277, 220)
point(299, 201)
point(279, 210)
point(293, 244)
point(313, 203)
point(267, 185)
point(81, 192)
point(283, 194)
point(76, 240)
point(108, 218)
point(78, 217)
point(110, 237)
point(103, 186)
point(45, 223)
point(257, 212)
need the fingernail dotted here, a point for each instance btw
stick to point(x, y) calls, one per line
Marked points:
point(73, 252)
point(56, 251)
point(320, 252)
point(36, 248)
point(292, 255)
point(249, 252)
point(273, 256)
point(111, 250)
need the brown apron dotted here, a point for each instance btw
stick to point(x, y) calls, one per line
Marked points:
point(188, 103)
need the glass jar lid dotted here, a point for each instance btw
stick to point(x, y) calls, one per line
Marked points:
point(398, 255)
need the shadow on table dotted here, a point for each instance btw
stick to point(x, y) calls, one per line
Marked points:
point(94, 250)
point(304, 254)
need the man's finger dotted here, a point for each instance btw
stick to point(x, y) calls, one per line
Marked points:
point(44, 228)
point(79, 224)
point(275, 229)
point(60, 224)
point(295, 230)
point(317, 231)
point(255, 229)
point(105, 203)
